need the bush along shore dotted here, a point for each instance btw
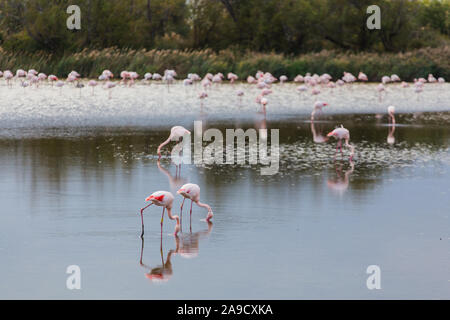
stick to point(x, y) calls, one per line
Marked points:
point(90, 62)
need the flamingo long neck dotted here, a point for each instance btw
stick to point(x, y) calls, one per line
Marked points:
point(163, 144)
point(204, 205)
point(171, 217)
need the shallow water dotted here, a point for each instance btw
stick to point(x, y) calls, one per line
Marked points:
point(72, 191)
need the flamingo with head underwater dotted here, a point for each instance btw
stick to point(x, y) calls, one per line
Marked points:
point(340, 134)
point(191, 191)
point(161, 199)
point(176, 133)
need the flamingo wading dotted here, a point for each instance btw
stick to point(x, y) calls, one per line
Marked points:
point(161, 199)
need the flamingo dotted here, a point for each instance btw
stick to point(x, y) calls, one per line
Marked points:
point(161, 199)
point(148, 76)
point(59, 84)
point(191, 191)
point(264, 102)
point(391, 111)
point(380, 89)
point(106, 75)
point(176, 133)
point(156, 76)
point(318, 105)
point(232, 77)
point(315, 91)
point(431, 78)
point(341, 133)
point(385, 79)
point(109, 85)
point(299, 78)
point(251, 80)
point(362, 77)
point(240, 94)
point(92, 84)
point(20, 73)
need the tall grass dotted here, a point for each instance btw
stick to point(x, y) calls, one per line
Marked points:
point(91, 62)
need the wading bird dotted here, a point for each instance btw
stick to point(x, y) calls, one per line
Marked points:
point(191, 191)
point(176, 133)
point(161, 199)
point(340, 134)
point(391, 111)
point(318, 105)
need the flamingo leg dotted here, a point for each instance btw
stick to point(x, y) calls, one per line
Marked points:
point(337, 147)
point(190, 219)
point(181, 215)
point(162, 219)
point(142, 219)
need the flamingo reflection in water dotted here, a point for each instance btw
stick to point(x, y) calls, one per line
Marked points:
point(176, 181)
point(186, 246)
point(340, 183)
point(318, 137)
point(391, 137)
point(391, 114)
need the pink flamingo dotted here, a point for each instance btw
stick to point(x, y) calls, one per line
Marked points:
point(318, 105)
point(161, 199)
point(341, 133)
point(232, 77)
point(176, 133)
point(8, 75)
point(92, 84)
point(264, 102)
point(362, 77)
point(109, 85)
point(391, 111)
point(191, 191)
point(380, 89)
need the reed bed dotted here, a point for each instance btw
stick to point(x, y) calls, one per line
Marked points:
point(90, 62)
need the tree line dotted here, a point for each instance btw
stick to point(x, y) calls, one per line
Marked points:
point(279, 26)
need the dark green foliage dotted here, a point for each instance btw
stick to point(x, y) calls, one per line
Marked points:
point(282, 26)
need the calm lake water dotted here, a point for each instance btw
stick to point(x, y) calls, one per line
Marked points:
point(71, 195)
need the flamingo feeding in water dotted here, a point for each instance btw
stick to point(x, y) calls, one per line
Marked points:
point(191, 191)
point(176, 133)
point(340, 134)
point(161, 199)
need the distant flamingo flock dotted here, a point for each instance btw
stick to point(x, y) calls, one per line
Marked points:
point(314, 84)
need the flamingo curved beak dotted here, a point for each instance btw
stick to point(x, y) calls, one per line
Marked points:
point(330, 134)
